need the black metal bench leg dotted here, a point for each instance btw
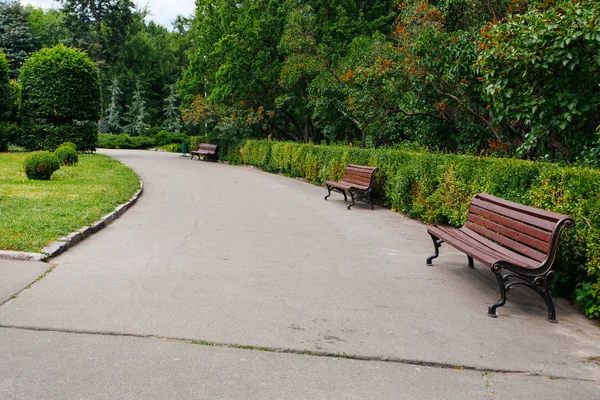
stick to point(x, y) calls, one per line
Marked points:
point(345, 197)
point(352, 197)
point(436, 245)
point(329, 192)
point(371, 199)
point(496, 269)
point(540, 285)
point(471, 263)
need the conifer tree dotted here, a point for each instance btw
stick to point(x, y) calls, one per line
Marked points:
point(136, 113)
point(172, 122)
point(111, 123)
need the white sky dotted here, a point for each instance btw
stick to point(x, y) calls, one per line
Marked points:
point(161, 11)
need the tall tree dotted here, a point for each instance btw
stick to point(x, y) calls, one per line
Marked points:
point(111, 122)
point(136, 114)
point(99, 26)
point(172, 123)
point(16, 41)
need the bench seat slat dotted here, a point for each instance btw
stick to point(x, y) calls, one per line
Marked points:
point(512, 234)
point(506, 212)
point(480, 248)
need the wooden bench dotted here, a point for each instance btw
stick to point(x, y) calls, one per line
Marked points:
point(358, 180)
point(207, 150)
point(518, 242)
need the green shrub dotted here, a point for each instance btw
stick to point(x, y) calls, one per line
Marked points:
point(124, 141)
point(40, 134)
point(436, 187)
point(40, 165)
point(60, 99)
point(69, 144)
point(5, 97)
point(66, 155)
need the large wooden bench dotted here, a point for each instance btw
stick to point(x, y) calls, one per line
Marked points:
point(518, 242)
point(358, 180)
point(209, 151)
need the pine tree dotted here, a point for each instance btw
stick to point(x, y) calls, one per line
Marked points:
point(16, 41)
point(172, 122)
point(111, 123)
point(136, 113)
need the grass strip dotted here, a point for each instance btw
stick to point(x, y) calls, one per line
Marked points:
point(35, 213)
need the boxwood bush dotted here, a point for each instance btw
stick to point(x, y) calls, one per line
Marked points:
point(40, 165)
point(434, 187)
point(66, 155)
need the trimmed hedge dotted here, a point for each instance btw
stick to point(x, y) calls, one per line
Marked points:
point(437, 187)
point(124, 141)
point(60, 99)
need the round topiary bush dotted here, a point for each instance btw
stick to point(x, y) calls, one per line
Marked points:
point(66, 155)
point(40, 165)
point(69, 144)
point(60, 99)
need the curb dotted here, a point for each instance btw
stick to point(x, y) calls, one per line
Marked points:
point(66, 242)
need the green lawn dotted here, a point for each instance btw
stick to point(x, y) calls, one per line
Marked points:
point(35, 213)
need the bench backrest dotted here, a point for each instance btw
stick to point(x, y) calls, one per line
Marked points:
point(359, 175)
point(531, 232)
point(208, 147)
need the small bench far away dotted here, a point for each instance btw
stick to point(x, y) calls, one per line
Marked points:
point(358, 180)
point(209, 151)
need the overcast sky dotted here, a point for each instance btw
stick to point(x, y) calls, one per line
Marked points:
point(161, 11)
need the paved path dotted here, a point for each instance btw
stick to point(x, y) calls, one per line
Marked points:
point(235, 257)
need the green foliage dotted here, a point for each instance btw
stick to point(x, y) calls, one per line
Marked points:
point(69, 144)
point(538, 70)
point(60, 84)
point(15, 38)
point(435, 187)
point(136, 114)
point(47, 135)
point(60, 99)
point(111, 121)
point(125, 141)
point(5, 103)
point(48, 27)
point(40, 165)
point(66, 155)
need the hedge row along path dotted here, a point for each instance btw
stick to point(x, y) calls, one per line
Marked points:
point(215, 262)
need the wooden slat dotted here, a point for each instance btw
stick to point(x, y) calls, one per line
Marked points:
point(518, 216)
point(543, 235)
point(549, 215)
point(513, 234)
point(507, 242)
point(481, 249)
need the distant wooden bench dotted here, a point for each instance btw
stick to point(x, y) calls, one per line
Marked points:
point(518, 242)
point(207, 150)
point(358, 180)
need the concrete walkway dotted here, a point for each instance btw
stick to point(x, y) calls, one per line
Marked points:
point(237, 261)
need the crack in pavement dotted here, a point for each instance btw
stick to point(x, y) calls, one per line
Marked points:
point(277, 350)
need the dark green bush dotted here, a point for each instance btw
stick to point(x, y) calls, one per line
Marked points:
point(42, 135)
point(40, 165)
point(124, 141)
point(66, 155)
point(437, 187)
point(5, 102)
point(60, 99)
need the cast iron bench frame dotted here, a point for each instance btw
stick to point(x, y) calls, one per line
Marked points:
point(205, 149)
point(358, 180)
point(518, 242)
